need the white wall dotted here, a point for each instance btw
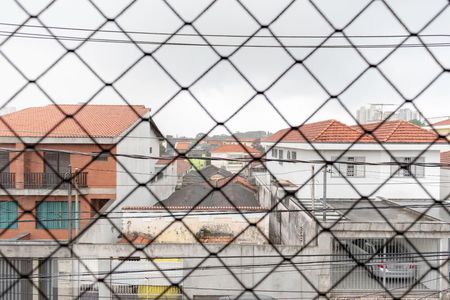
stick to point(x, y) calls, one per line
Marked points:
point(230, 223)
point(164, 186)
point(445, 183)
point(137, 142)
point(369, 185)
point(231, 166)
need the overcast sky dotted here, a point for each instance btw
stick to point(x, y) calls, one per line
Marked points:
point(223, 90)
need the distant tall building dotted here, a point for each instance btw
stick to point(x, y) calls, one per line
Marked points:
point(375, 113)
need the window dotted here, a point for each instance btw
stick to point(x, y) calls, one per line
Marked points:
point(408, 170)
point(54, 215)
point(354, 167)
point(274, 152)
point(8, 214)
point(97, 204)
point(289, 155)
point(102, 157)
point(150, 150)
point(4, 161)
point(280, 156)
point(294, 155)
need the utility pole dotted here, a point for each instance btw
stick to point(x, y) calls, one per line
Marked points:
point(313, 191)
point(77, 222)
point(69, 204)
point(324, 200)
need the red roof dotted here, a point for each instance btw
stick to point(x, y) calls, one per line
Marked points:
point(332, 131)
point(235, 148)
point(442, 123)
point(399, 132)
point(51, 120)
point(182, 146)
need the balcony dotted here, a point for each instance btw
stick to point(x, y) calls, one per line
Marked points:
point(52, 180)
point(7, 180)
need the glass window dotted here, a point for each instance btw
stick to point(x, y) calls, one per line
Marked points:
point(354, 166)
point(411, 167)
point(274, 152)
point(294, 155)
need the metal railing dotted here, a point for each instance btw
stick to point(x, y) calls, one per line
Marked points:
point(52, 180)
point(7, 180)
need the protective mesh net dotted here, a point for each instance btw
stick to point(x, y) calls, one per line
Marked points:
point(295, 246)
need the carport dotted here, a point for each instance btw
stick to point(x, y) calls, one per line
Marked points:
point(373, 258)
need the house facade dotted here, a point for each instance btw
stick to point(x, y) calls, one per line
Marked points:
point(233, 157)
point(395, 161)
point(49, 159)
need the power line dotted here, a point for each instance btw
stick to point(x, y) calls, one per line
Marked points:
point(246, 45)
point(219, 35)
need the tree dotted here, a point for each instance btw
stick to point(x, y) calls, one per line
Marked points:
point(417, 122)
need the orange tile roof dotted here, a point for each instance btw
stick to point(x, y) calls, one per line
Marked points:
point(399, 132)
point(51, 121)
point(332, 131)
point(182, 146)
point(329, 131)
point(442, 123)
point(235, 148)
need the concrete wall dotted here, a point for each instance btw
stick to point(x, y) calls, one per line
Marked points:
point(369, 185)
point(211, 223)
point(131, 171)
point(445, 183)
point(231, 166)
point(164, 185)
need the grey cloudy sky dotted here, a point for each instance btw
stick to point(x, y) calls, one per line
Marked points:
point(223, 90)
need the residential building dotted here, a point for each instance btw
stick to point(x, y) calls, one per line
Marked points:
point(445, 175)
point(442, 127)
point(234, 157)
point(165, 181)
point(209, 173)
point(42, 147)
point(376, 113)
point(209, 216)
point(390, 162)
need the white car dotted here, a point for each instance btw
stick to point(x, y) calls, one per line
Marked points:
point(394, 261)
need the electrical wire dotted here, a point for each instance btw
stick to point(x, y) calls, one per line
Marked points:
point(401, 44)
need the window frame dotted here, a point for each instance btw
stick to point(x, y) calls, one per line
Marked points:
point(357, 170)
point(414, 171)
point(11, 212)
point(60, 222)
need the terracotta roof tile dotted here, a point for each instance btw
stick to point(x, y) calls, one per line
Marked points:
point(332, 131)
point(329, 131)
point(235, 148)
point(399, 132)
point(442, 123)
point(51, 120)
point(182, 146)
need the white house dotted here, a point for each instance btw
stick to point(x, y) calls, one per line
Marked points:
point(369, 162)
point(229, 157)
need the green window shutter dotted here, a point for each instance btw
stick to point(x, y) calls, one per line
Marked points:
point(8, 214)
point(54, 215)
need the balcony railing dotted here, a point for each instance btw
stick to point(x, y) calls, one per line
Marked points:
point(7, 180)
point(52, 180)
